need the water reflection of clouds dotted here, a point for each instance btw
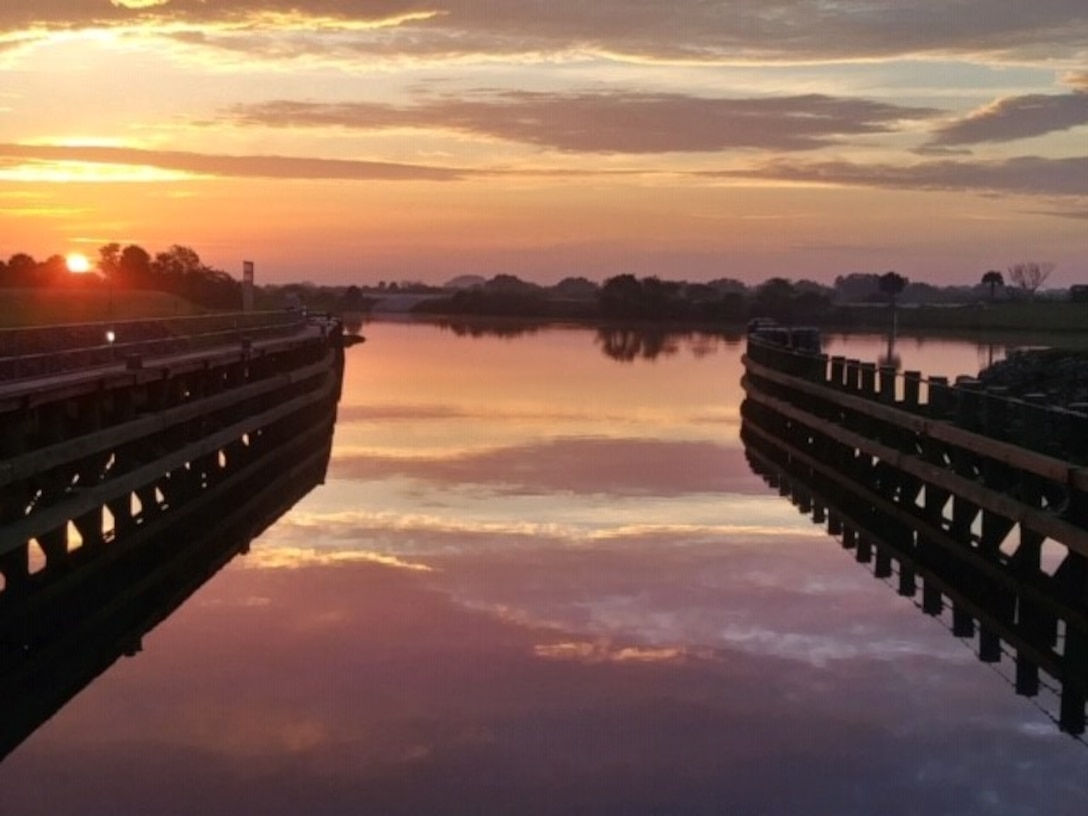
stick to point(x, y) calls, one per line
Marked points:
point(539, 412)
point(378, 694)
point(420, 534)
point(603, 651)
point(287, 557)
point(569, 465)
point(770, 591)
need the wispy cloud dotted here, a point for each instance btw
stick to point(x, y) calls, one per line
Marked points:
point(287, 557)
point(586, 466)
point(1020, 117)
point(204, 164)
point(1029, 175)
point(649, 30)
point(618, 122)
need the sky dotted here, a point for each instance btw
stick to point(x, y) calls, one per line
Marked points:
point(356, 141)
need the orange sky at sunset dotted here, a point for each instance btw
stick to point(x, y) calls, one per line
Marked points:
point(352, 141)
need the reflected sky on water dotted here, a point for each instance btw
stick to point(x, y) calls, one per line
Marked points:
point(541, 580)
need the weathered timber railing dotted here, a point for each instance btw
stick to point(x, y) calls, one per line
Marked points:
point(88, 456)
point(39, 351)
point(961, 478)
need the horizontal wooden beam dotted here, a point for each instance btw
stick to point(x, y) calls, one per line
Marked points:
point(1072, 536)
point(15, 534)
point(61, 453)
point(21, 394)
point(1049, 467)
point(995, 570)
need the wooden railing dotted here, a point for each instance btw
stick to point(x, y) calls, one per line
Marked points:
point(979, 478)
point(43, 350)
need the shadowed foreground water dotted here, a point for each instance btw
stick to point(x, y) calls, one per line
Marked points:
point(540, 580)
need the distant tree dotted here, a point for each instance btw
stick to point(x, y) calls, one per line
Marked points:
point(510, 284)
point(892, 285)
point(576, 288)
point(857, 287)
point(725, 285)
point(812, 304)
point(53, 271)
point(621, 297)
point(109, 261)
point(660, 298)
point(806, 285)
point(1030, 275)
point(135, 267)
point(180, 271)
point(353, 298)
point(775, 297)
point(177, 262)
point(22, 270)
point(993, 279)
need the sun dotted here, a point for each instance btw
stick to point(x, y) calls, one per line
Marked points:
point(78, 263)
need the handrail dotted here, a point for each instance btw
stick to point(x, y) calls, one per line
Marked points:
point(52, 349)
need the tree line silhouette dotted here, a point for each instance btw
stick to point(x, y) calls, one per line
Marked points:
point(625, 297)
point(176, 271)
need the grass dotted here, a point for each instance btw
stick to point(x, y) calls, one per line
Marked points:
point(52, 307)
point(1038, 316)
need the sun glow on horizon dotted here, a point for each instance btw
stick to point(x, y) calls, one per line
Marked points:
point(78, 263)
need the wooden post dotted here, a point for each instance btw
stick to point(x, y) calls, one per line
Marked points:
point(868, 379)
point(853, 375)
point(968, 403)
point(838, 372)
point(887, 384)
point(912, 386)
point(939, 397)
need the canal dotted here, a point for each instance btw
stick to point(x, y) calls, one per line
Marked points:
point(542, 578)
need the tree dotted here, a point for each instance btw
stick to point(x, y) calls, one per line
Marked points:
point(22, 270)
point(775, 297)
point(53, 271)
point(857, 287)
point(1030, 275)
point(109, 261)
point(621, 297)
point(135, 267)
point(993, 279)
point(176, 262)
point(891, 285)
point(352, 299)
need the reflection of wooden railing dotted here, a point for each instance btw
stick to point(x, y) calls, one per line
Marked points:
point(38, 351)
point(58, 638)
point(955, 475)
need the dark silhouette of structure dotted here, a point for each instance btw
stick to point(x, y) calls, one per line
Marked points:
point(125, 486)
point(957, 495)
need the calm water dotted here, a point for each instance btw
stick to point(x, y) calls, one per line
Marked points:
point(543, 580)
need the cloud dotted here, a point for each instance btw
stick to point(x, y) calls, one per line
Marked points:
point(1018, 117)
point(1024, 175)
point(287, 557)
point(584, 466)
point(280, 167)
point(649, 30)
point(608, 123)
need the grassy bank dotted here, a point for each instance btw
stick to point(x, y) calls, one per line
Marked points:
point(49, 307)
point(1040, 316)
